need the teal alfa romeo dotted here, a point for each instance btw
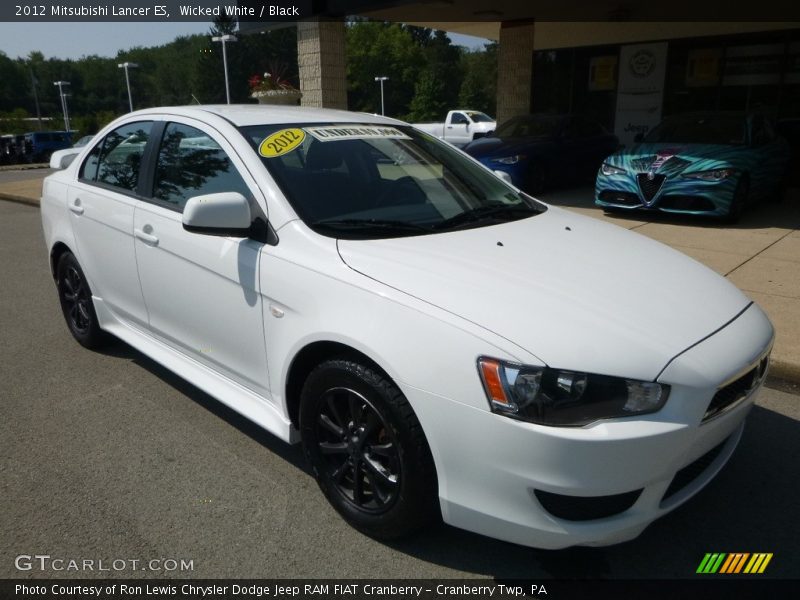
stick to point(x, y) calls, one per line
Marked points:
point(702, 164)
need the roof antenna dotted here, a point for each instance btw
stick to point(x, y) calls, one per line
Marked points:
point(195, 99)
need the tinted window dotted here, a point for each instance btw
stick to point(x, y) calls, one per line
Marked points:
point(459, 119)
point(191, 163)
point(701, 129)
point(119, 159)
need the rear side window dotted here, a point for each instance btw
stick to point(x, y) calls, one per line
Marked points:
point(116, 160)
point(190, 163)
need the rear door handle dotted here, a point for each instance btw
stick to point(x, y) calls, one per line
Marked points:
point(146, 237)
point(76, 206)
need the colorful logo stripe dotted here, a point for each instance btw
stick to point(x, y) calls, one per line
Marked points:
point(734, 562)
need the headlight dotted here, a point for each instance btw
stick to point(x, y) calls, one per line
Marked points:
point(607, 169)
point(509, 160)
point(565, 398)
point(715, 175)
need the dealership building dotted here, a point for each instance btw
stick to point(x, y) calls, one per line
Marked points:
point(616, 66)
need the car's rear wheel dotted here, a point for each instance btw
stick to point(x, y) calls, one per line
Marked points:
point(367, 449)
point(76, 302)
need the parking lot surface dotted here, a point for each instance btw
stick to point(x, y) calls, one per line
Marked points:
point(106, 455)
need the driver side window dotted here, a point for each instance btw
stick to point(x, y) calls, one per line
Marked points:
point(459, 119)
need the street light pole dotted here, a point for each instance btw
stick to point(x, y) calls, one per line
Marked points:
point(382, 79)
point(34, 84)
point(126, 66)
point(224, 39)
point(61, 85)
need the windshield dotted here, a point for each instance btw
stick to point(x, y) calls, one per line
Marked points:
point(703, 129)
point(370, 181)
point(478, 117)
point(530, 126)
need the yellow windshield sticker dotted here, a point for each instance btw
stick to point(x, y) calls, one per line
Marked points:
point(329, 133)
point(281, 142)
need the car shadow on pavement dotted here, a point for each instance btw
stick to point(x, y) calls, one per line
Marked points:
point(751, 506)
point(290, 453)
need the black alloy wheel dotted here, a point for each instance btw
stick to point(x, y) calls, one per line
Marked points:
point(362, 457)
point(75, 297)
point(367, 449)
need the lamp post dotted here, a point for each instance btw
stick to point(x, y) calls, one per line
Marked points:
point(126, 66)
point(63, 96)
point(225, 39)
point(382, 79)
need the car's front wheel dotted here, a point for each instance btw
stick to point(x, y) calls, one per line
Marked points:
point(367, 449)
point(76, 302)
point(740, 198)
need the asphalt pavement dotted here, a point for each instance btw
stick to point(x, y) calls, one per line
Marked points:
point(106, 455)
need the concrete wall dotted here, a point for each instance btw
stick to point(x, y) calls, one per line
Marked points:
point(515, 70)
point(322, 62)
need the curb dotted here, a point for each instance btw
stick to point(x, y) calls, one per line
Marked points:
point(785, 370)
point(19, 199)
point(25, 167)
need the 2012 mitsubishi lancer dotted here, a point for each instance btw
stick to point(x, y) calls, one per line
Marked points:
point(442, 344)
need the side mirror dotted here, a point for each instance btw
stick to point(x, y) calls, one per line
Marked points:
point(226, 214)
point(505, 177)
point(638, 138)
point(61, 159)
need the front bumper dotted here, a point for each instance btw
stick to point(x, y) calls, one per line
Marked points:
point(676, 195)
point(491, 467)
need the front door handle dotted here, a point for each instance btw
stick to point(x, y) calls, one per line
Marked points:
point(76, 206)
point(147, 238)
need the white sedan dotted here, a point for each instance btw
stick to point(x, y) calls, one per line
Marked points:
point(443, 345)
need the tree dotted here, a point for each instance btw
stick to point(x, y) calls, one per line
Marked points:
point(428, 103)
point(381, 49)
point(479, 86)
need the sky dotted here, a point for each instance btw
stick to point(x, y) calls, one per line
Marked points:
point(73, 40)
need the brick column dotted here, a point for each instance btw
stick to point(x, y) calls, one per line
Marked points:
point(514, 70)
point(321, 59)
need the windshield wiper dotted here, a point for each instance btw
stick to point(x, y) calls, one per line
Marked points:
point(484, 212)
point(370, 223)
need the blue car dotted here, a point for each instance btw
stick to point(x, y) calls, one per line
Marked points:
point(541, 151)
point(711, 164)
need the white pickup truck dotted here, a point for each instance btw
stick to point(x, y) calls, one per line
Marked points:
point(460, 127)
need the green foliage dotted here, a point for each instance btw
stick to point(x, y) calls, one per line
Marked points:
point(428, 75)
point(428, 103)
point(479, 85)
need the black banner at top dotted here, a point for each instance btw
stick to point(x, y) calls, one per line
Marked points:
point(155, 10)
point(427, 11)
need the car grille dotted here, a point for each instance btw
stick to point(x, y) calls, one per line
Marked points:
point(692, 471)
point(678, 202)
point(622, 198)
point(580, 508)
point(736, 390)
point(649, 187)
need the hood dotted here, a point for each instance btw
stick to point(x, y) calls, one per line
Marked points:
point(671, 159)
point(575, 292)
point(493, 146)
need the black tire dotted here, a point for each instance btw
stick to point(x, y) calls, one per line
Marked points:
point(740, 198)
point(536, 180)
point(367, 450)
point(76, 303)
